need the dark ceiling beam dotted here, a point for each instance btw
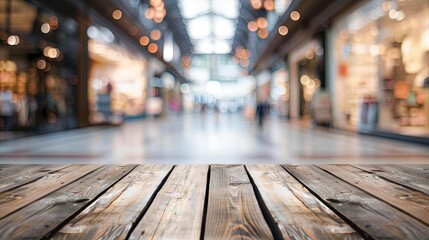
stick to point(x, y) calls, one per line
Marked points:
point(177, 25)
point(240, 40)
point(246, 14)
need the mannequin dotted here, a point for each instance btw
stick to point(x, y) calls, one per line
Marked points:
point(415, 55)
point(419, 80)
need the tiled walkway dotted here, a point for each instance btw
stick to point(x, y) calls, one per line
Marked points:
point(208, 139)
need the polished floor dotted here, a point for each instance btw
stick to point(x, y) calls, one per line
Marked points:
point(209, 138)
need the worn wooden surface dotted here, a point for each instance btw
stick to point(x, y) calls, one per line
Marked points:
point(113, 214)
point(393, 174)
point(214, 202)
point(297, 212)
point(408, 200)
point(232, 211)
point(14, 177)
point(14, 199)
point(46, 215)
point(372, 216)
point(177, 211)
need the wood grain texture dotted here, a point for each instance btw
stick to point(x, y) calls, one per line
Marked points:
point(177, 210)
point(41, 217)
point(17, 198)
point(298, 213)
point(394, 175)
point(113, 214)
point(420, 170)
point(6, 170)
point(412, 181)
point(370, 215)
point(233, 211)
point(408, 200)
point(15, 177)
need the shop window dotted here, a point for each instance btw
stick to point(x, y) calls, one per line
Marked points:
point(381, 52)
point(38, 68)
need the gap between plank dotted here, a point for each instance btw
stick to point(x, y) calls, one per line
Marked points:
point(386, 179)
point(67, 220)
point(35, 179)
point(275, 230)
point(206, 203)
point(326, 203)
point(149, 203)
point(377, 197)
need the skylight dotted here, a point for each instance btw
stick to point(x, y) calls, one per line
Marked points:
point(210, 23)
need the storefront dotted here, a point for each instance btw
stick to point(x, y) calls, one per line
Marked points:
point(304, 64)
point(379, 71)
point(117, 83)
point(280, 91)
point(38, 68)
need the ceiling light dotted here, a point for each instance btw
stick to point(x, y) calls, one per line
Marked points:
point(41, 64)
point(262, 22)
point(149, 13)
point(155, 34)
point(393, 13)
point(256, 4)
point(295, 15)
point(117, 14)
point(144, 41)
point(45, 28)
point(252, 26)
point(269, 5)
point(13, 40)
point(133, 30)
point(283, 30)
point(53, 22)
point(263, 33)
point(155, 2)
point(245, 62)
point(158, 19)
point(185, 88)
point(153, 48)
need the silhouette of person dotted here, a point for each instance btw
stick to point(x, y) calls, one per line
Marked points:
point(261, 111)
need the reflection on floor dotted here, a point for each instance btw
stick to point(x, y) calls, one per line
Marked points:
point(208, 139)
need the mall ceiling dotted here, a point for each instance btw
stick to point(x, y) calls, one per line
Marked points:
point(210, 26)
point(181, 14)
point(190, 21)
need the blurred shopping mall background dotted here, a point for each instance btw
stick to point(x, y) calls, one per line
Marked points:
point(187, 72)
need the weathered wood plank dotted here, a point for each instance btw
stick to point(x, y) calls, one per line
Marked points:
point(113, 214)
point(421, 170)
point(298, 213)
point(10, 170)
point(43, 216)
point(177, 210)
point(233, 211)
point(17, 198)
point(22, 176)
point(394, 175)
point(408, 200)
point(370, 215)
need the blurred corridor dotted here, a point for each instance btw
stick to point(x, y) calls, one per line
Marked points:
point(359, 67)
point(209, 138)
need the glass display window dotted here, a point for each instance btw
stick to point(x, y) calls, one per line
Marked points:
point(117, 83)
point(38, 66)
point(381, 52)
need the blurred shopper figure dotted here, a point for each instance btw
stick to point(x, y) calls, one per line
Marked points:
point(261, 111)
point(6, 108)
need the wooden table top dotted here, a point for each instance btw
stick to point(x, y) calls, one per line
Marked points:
point(214, 201)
